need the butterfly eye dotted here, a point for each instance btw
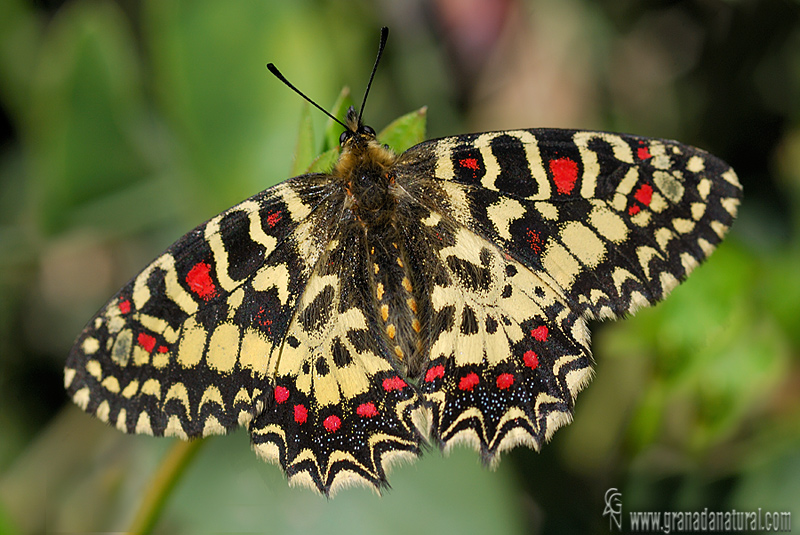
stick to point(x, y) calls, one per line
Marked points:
point(368, 130)
point(344, 137)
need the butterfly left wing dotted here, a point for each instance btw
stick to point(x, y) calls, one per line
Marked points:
point(340, 410)
point(262, 317)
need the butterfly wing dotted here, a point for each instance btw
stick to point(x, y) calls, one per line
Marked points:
point(548, 228)
point(186, 348)
point(341, 410)
point(261, 317)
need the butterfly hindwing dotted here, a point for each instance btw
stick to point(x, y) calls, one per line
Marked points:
point(340, 410)
point(505, 354)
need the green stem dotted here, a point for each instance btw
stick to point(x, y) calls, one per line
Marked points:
point(164, 481)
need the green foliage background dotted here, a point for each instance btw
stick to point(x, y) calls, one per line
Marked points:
point(124, 124)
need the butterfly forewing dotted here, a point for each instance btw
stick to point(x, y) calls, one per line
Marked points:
point(186, 347)
point(615, 220)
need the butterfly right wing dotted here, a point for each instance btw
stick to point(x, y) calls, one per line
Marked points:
point(522, 236)
point(187, 347)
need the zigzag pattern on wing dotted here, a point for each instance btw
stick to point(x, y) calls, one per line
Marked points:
point(340, 411)
point(506, 354)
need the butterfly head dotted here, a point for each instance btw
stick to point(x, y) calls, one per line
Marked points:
point(356, 132)
point(366, 171)
point(361, 151)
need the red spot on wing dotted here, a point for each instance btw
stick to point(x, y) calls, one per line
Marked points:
point(534, 241)
point(540, 333)
point(644, 194)
point(124, 306)
point(565, 174)
point(469, 163)
point(434, 373)
point(530, 359)
point(146, 341)
point(469, 381)
point(367, 410)
point(332, 423)
point(263, 319)
point(504, 381)
point(300, 414)
point(281, 394)
point(634, 209)
point(199, 281)
point(273, 218)
point(643, 153)
point(163, 349)
point(393, 383)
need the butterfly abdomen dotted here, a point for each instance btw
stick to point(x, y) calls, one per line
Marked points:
point(396, 296)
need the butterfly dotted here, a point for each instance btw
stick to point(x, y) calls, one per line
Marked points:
point(441, 294)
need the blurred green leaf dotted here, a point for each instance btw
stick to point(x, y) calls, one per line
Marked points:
point(333, 130)
point(304, 152)
point(227, 114)
point(6, 525)
point(779, 290)
point(86, 111)
point(20, 29)
point(406, 131)
point(324, 162)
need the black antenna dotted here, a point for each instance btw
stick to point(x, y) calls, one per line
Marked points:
point(384, 36)
point(274, 70)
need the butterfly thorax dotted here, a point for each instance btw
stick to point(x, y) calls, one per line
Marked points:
point(365, 170)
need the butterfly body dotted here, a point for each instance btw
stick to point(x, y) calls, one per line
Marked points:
point(443, 292)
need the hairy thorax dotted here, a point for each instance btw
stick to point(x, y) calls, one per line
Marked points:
point(366, 171)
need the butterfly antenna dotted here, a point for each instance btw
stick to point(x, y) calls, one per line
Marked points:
point(274, 70)
point(384, 36)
